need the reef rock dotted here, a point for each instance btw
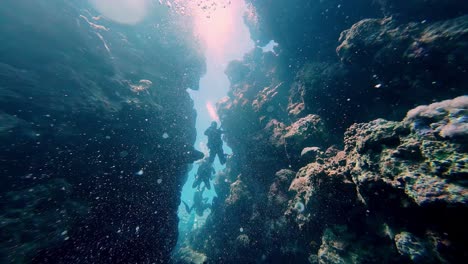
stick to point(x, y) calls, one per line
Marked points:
point(396, 193)
point(414, 248)
point(340, 245)
point(409, 173)
point(414, 159)
point(326, 190)
point(429, 59)
point(447, 119)
point(348, 201)
point(306, 131)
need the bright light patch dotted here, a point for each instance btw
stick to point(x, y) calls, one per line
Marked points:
point(123, 11)
point(217, 28)
point(212, 111)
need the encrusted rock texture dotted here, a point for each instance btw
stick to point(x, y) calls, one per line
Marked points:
point(96, 129)
point(349, 140)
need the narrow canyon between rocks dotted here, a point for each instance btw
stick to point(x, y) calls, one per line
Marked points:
point(233, 131)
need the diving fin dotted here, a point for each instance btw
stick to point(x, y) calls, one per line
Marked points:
point(187, 208)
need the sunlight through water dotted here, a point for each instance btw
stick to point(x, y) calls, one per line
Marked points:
point(219, 26)
point(123, 11)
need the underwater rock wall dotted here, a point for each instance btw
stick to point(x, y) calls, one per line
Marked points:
point(96, 129)
point(318, 173)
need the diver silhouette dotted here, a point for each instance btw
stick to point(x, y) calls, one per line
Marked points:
point(204, 174)
point(200, 204)
point(215, 143)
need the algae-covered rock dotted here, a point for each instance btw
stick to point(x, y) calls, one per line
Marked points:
point(325, 189)
point(340, 245)
point(446, 119)
point(412, 158)
point(414, 248)
point(304, 132)
point(278, 195)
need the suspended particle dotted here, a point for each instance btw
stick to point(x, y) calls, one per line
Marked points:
point(300, 207)
point(165, 136)
point(139, 173)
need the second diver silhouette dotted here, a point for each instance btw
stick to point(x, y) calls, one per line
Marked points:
point(200, 204)
point(204, 174)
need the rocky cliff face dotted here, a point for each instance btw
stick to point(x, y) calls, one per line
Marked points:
point(317, 176)
point(96, 129)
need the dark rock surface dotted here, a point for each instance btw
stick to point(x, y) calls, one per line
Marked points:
point(382, 62)
point(423, 10)
point(96, 129)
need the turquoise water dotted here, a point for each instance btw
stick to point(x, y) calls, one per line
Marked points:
point(214, 85)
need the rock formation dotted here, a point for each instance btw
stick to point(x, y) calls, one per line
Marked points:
point(329, 164)
point(96, 129)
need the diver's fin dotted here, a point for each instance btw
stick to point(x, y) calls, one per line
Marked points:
point(187, 208)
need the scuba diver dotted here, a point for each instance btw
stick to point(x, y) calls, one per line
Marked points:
point(215, 144)
point(200, 204)
point(204, 174)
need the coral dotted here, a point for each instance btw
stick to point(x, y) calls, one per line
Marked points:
point(239, 192)
point(304, 132)
point(400, 157)
point(278, 195)
point(447, 119)
point(326, 190)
